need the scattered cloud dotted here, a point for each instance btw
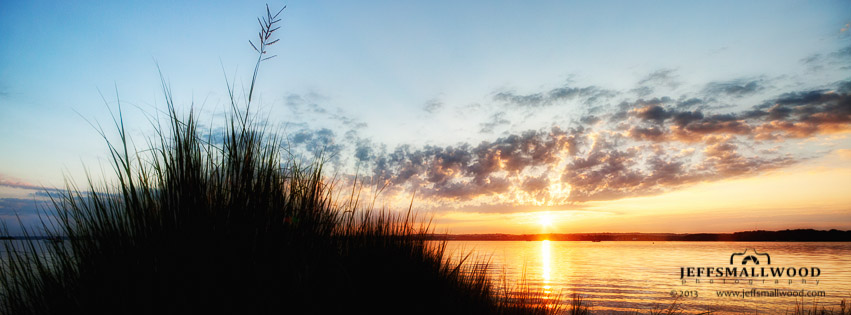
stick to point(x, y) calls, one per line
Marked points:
point(315, 144)
point(618, 146)
point(735, 88)
point(638, 147)
point(588, 94)
point(309, 104)
point(20, 184)
point(303, 103)
point(615, 149)
point(432, 106)
point(839, 58)
point(496, 120)
point(659, 78)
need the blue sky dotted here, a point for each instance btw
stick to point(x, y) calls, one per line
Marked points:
point(374, 77)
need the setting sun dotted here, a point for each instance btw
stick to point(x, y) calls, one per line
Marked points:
point(546, 220)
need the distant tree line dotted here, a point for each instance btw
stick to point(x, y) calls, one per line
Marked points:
point(799, 235)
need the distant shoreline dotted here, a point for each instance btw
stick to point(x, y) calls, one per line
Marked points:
point(799, 235)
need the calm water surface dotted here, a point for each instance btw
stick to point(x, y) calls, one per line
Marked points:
point(622, 277)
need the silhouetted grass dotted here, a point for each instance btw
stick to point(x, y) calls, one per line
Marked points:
point(801, 308)
point(579, 306)
point(193, 225)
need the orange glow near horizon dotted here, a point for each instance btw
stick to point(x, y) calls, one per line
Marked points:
point(811, 195)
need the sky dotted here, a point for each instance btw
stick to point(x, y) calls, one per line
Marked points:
point(508, 117)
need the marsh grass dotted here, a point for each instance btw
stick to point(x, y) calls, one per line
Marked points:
point(579, 306)
point(814, 308)
point(672, 309)
point(193, 225)
point(236, 227)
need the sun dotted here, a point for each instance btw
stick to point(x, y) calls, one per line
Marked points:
point(545, 219)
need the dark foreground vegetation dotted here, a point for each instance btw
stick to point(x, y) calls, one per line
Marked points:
point(197, 225)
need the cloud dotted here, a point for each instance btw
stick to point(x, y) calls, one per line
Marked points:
point(588, 94)
point(651, 133)
point(589, 119)
point(20, 184)
point(651, 110)
point(659, 78)
point(696, 129)
point(311, 144)
point(662, 76)
point(630, 147)
point(466, 171)
point(615, 149)
point(308, 104)
point(724, 158)
point(735, 88)
point(496, 120)
point(301, 104)
point(638, 147)
point(790, 115)
point(364, 150)
point(642, 91)
point(842, 54)
point(812, 59)
point(839, 58)
point(802, 114)
point(432, 106)
point(689, 103)
point(608, 172)
point(685, 117)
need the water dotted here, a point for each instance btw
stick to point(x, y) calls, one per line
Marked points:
point(26, 246)
point(624, 277)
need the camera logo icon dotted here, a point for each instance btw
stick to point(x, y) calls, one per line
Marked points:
point(751, 257)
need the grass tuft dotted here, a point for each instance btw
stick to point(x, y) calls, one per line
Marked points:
point(579, 306)
point(814, 309)
point(192, 225)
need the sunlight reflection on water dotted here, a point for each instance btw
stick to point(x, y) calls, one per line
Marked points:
point(628, 276)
